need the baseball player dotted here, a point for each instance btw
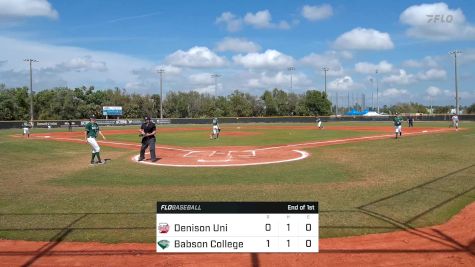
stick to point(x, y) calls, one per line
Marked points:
point(397, 125)
point(26, 129)
point(455, 122)
point(216, 129)
point(148, 129)
point(410, 121)
point(92, 129)
point(319, 123)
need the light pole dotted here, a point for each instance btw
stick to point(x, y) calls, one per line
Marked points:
point(372, 91)
point(325, 69)
point(161, 71)
point(455, 52)
point(30, 61)
point(215, 76)
point(291, 69)
point(377, 90)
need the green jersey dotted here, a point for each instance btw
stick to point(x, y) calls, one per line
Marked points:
point(92, 129)
point(397, 121)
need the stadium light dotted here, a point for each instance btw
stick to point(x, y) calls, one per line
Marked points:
point(455, 52)
point(30, 61)
point(161, 71)
point(372, 91)
point(377, 90)
point(215, 76)
point(291, 69)
point(325, 69)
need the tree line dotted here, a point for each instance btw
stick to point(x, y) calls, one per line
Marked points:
point(67, 103)
point(76, 103)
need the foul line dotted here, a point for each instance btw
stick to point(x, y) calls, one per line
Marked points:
point(345, 140)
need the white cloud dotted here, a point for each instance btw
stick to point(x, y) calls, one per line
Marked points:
point(364, 39)
point(449, 24)
point(81, 64)
point(196, 57)
point(427, 61)
point(433, 74)
point(342, 84)
point(169, 69)
point(210, 89)
point(237, 45)
point(263, 20)
point(232, 22)
point(366, 67)
point(116, 69)
point(328, 59)
point(201, 79)
point(433, 91)
point(314, 13)
point(272, 59)
point(395, 93)
point(279, 80)
point(27, 8)
point(402, 78)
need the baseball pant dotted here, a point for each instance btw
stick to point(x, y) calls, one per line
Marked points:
point(145, 144)
point(95, 147)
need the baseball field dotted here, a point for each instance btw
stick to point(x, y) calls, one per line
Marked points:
point(366, 182)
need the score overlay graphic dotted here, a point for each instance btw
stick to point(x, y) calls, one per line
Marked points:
point(211, 227)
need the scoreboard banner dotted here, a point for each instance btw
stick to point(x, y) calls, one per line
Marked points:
point(210, 227)
point(112, 111)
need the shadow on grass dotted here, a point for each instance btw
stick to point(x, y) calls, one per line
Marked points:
point(453, 246)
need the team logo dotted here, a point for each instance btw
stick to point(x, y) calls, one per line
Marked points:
point(163, 228)
point(163, 244)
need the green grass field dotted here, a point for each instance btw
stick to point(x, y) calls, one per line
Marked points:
point(49, 192)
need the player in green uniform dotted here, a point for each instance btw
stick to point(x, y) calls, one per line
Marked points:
point(92, 129)
point(397, 125)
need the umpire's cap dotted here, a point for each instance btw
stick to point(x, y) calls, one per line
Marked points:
point(146, 118)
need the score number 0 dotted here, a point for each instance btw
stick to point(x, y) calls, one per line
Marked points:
point(308, 228)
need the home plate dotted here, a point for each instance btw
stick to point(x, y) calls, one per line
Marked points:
point(425, 131)
point(47, 136)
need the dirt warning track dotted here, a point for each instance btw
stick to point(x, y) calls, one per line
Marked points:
point(227, 156)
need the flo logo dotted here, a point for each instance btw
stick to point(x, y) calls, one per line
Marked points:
point(163, 228)
point(163, 244)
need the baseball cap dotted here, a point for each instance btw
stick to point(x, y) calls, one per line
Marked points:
point(146, 118)
point(92, 116)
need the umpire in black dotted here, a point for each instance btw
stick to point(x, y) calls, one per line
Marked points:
point(147, 131)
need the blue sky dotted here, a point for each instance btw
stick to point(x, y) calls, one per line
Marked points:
point(250, 44)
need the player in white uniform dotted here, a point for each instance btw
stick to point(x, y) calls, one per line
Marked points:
point(455, 122)
point(216, 129)
point(319, 123)
point(26, 129)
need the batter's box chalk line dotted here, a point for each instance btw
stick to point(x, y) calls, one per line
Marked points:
point(250, 158)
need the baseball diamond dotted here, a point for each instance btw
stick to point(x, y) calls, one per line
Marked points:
point(343, 166)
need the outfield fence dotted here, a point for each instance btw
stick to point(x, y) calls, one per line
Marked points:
point(293, 119)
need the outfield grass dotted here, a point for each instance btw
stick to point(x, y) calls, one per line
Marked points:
point(49, 192)
point(243, 135)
